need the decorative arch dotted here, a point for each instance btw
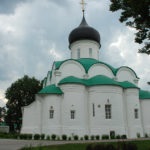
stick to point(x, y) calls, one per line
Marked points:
point(100, 69)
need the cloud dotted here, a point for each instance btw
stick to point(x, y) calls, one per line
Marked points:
point(9, 6)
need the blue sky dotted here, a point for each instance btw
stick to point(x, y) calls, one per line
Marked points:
point(34, 33)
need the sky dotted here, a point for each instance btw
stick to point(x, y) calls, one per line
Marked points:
point(34, 33)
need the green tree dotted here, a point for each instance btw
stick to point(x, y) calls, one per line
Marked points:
point(20, 93)
point(136, 14)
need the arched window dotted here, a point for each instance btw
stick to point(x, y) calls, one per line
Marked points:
point(78, 53)
point(51, 112)
point(90, 52)
point(72, 114)
point(108, 111)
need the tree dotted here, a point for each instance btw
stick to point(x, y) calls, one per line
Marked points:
point(20, 93)
point(136, 14)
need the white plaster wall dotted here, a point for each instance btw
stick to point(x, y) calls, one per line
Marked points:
point(74, 99)
point(32, 117)
point(134, 125)
point(70, 68)
point(125, 74)
point(100, 96)
point(51, 125)
point(100, 69)
point(145, 109)
point(84, 46)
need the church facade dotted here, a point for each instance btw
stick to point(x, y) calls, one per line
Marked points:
point(84, 96)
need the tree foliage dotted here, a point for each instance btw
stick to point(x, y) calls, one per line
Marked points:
point(136, 14)
point(20, 93)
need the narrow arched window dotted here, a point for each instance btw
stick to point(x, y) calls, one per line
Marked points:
point(78, 53)
point(90, 52)
point(51, 112)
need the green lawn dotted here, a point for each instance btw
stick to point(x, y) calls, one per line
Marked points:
point(142, 145)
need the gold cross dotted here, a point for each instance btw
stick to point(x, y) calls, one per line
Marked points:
point(83, 5)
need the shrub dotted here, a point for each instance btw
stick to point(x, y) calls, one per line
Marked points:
point(64, 137)
point(23, 136)
point(97, 137)
point(81, 138)
point(36, 136)
point(92, 137)
point(146, 135)
point(105, 137)
point(76, 137)
point(112, 137)
point(53, 137)
point(69, 138)
point(48, 137)
point(118, 137)
point(86, 137)
point(123, 136)
point(42, 136)
point(138, 135)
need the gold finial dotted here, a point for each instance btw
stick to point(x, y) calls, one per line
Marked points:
point(83, 5)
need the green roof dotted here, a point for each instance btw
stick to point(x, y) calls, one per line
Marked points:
point(51, 89)
point(127, 84)
point(144, 94)
point(96, 80)
point(87, 63)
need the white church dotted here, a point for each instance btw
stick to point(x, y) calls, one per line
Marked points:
point(85, 96)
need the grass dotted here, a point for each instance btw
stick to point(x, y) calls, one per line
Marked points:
point(142, 145)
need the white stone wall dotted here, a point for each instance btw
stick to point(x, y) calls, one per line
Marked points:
point(32, 117)
point(51, 125)
point(145, 109)
point(84, 46)
point(75, 98)
point(100, 96)
point(132, 102)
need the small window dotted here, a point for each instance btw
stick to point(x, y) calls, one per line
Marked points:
point(136, 113)
point(108, 111)
point(90, 52)
point(93, 110)
point(51, 114)
point(78, 53)
point(72, 113)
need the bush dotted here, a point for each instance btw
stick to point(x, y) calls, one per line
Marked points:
point(69, 138)
point(76, 137)
point(112, 137)
point(97, 137)
point(23, 136)
point(105, 137)
point(81, 138)
point(138, 135)
point(53, 137)
point(86, 137)
point(64, 137)
point(42, 136)
point(92, 137)
point(36, 136)
point(123, 136)
point(48, 137)
point(118, 137)
point(146, 135)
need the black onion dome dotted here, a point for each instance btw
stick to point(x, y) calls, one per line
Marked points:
point(84, 32)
